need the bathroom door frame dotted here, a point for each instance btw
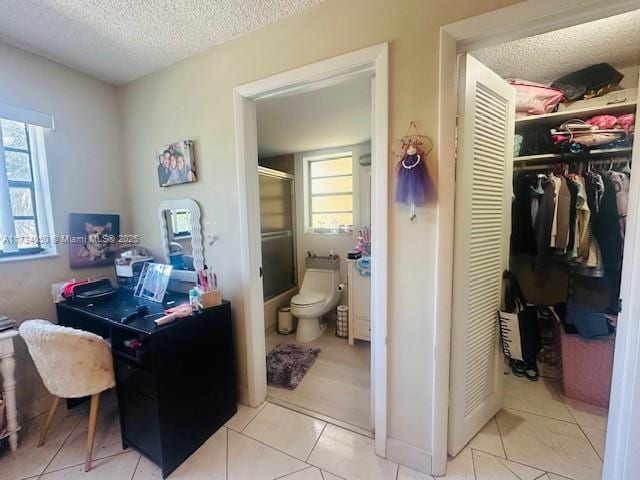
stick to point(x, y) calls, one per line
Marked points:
point(521, 20)
point(368, 62)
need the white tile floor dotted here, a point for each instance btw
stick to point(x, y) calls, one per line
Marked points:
point(540, 434)
point(271, 442)
point(338, 384)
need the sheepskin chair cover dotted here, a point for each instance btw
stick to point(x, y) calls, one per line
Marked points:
point(72, 363)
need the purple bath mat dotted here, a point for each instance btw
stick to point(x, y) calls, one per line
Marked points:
point(288, 364)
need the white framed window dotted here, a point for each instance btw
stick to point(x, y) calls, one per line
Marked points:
point(25, 204)
point(329, 196)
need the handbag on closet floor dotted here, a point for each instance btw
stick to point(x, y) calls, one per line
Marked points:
point(519, 330)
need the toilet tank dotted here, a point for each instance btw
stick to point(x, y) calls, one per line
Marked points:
point(320, 280)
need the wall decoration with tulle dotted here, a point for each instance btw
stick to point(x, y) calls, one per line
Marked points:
point(414, 186)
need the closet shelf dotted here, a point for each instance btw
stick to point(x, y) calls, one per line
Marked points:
point(557, 118)
point(558, 156)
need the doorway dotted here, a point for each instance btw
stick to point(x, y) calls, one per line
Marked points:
point(495, 379)
point(371, 62)
point(314, 163)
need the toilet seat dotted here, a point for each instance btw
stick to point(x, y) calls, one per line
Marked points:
point(308, 299)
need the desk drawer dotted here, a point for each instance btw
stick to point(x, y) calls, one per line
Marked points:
point(131, 378)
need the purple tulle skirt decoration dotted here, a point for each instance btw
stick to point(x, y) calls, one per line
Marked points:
point(414, 185)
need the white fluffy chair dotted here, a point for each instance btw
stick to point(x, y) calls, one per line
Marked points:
point(73, 364)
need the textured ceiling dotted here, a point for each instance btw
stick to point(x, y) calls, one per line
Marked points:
point(546, 57)
point(329, 117)
point(121, 40)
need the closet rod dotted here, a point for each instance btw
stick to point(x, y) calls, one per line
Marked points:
point(559, 163)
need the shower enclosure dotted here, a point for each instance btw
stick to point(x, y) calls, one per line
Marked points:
point(277, 217)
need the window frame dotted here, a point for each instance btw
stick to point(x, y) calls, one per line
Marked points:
point(307, 162)
point(37, 249)
point(174, 224)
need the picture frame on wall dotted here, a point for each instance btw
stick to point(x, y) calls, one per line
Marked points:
point(93, 239)
point(176, 164)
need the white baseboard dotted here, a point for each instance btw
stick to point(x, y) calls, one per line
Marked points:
point(409, 456)
point(243, 394)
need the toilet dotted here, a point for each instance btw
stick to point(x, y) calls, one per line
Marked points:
point(318, 296)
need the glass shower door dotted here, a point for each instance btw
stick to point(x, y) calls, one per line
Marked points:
point(277, 230)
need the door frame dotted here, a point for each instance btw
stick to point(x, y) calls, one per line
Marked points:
point(524, 19)
point(371, 62)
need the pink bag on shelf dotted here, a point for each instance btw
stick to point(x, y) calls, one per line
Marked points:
point(535, 98)
point(627, 121)
point(603, 122)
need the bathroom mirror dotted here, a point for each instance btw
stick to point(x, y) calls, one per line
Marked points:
point(181, 236)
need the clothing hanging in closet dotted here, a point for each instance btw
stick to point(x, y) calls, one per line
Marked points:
point(579, 219)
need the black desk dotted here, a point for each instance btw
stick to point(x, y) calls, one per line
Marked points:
point(176, 391)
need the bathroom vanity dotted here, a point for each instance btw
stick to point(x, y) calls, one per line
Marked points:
point(359, 304)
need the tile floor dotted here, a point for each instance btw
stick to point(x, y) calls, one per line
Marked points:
point(339, 383)
point(539, 435)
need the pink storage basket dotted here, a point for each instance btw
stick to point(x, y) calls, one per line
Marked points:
point(587, 367)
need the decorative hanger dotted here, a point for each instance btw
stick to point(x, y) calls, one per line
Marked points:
point(413, 185)
point(415, 139)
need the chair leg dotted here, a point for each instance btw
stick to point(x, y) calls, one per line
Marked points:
point(93, 419)
point(47, 425)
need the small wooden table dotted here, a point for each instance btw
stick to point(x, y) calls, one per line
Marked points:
point(7, 370)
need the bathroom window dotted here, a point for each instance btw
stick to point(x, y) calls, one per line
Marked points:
point(181, 223)
point(329, 202)
point(24, 210)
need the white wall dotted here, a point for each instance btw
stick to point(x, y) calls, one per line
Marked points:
point(630, 79)
point(321, 244)
point(193, 99)
point(85, 162)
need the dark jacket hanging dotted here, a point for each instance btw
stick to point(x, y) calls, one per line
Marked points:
point(606, 228)
point(573, 213)
point(564, 205)
point(523, 238)
point(544, 223)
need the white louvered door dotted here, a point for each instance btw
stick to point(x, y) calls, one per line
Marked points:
point(484, 166)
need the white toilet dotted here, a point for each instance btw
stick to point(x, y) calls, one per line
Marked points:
point(318, 295)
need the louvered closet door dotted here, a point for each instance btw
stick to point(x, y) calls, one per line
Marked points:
point(486, 115)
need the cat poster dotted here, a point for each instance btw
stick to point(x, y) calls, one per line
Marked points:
point(93, 239)
point(176, 164)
